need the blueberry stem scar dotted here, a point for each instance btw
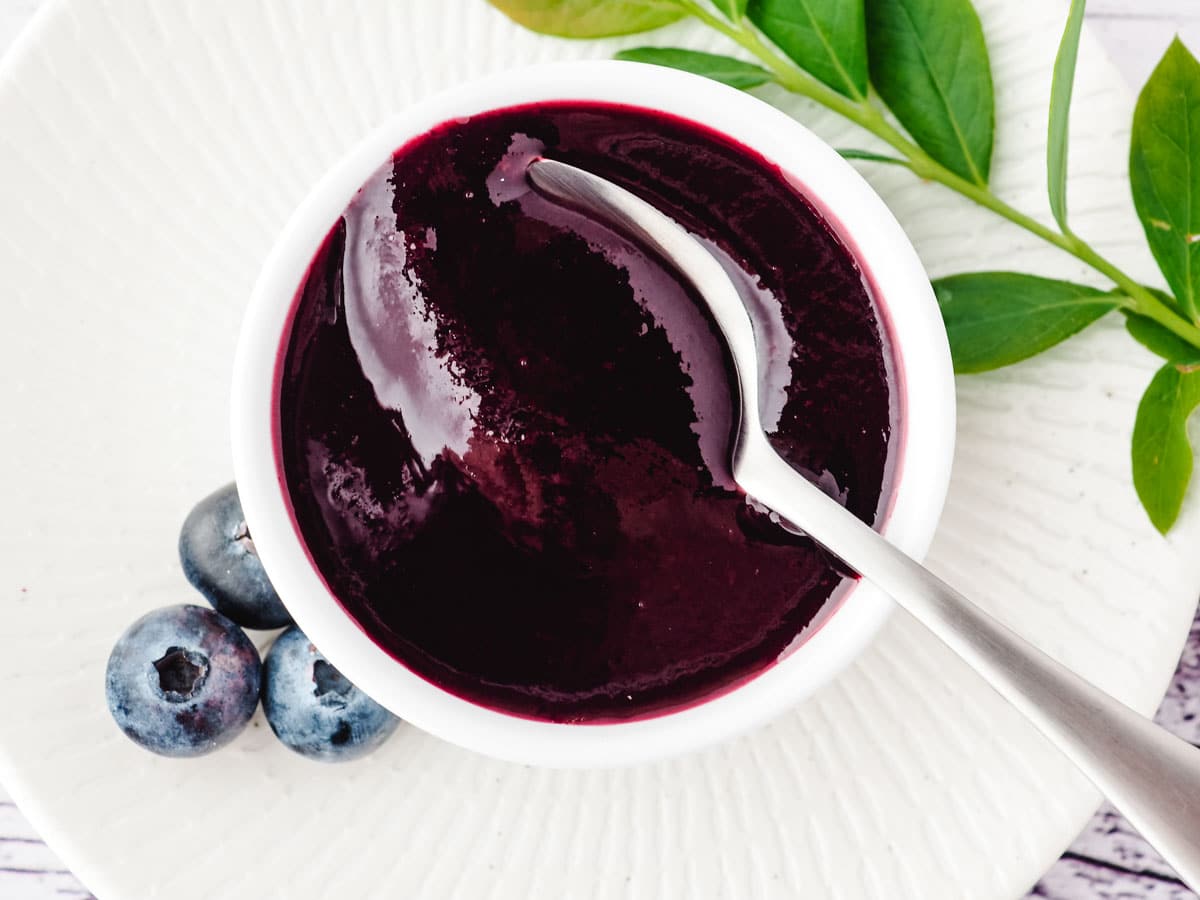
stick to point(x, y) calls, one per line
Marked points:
point(181, 673)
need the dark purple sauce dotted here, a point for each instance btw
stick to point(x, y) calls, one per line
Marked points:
point(504, 429)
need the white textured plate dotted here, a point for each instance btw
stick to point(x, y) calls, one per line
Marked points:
point(150, 151)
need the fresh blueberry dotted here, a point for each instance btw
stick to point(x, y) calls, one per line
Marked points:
point(183, 681)
point(314, 709)
point(219, 560)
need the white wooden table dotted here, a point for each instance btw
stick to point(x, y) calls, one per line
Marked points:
point(1108, 861)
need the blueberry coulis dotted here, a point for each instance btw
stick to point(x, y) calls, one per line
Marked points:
point(504, 429)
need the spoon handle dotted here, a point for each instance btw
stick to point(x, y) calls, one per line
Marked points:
point(1151, 775)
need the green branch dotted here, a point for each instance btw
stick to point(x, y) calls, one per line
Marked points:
point(870, 118)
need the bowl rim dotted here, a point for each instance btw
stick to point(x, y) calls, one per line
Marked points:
point(923, 374)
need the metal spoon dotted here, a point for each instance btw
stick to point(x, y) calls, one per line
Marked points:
point(1153, 776)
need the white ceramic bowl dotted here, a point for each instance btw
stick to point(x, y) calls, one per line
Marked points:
point(924, 380)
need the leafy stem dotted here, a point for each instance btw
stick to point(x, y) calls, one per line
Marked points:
point(788, 74)
point(1140, 299)
point(867, 115)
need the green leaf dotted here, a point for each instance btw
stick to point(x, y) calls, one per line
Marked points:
point(590, 18)
point(1160, 341)
point(1060, 108)
point(724, 69)
point(929, 63)
point(995, 319)
point(734, 9)
point(1162, 456)
point(827, 38)
point(1164, 170)
point(851, 153)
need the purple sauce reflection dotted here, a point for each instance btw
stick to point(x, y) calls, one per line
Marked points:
point(504, 428)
